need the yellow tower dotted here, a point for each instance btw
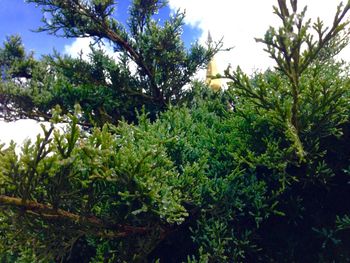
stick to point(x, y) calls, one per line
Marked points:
point(212, 71)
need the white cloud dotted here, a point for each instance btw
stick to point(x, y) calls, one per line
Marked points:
point(239, 22)
point(82, 46)
point(22, 130)
point(79, 46)
point(19, 131)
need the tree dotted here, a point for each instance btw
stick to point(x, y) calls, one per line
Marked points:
point(152, 69)
point(300, 55)
point(300, 114)
point(13, 60)
point(201, 183)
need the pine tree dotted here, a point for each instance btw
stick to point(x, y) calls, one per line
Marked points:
point(152, 69)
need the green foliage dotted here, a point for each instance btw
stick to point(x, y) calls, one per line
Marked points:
point(14, 62)
point(302, 75)
point(224, 175)
point(257, 173)
point(124, 178)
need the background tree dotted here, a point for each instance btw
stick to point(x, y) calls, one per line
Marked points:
point(152, 68)
point(15, 63)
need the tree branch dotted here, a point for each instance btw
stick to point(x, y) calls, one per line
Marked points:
point(49, 213)
point(102, 29)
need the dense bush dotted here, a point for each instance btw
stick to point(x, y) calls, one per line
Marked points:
point(257, 173)
point(200, 179)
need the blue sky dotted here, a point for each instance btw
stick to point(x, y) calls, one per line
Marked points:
point(19, 17)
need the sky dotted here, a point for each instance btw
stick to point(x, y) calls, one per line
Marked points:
point(20, 18)
point(238, 22)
